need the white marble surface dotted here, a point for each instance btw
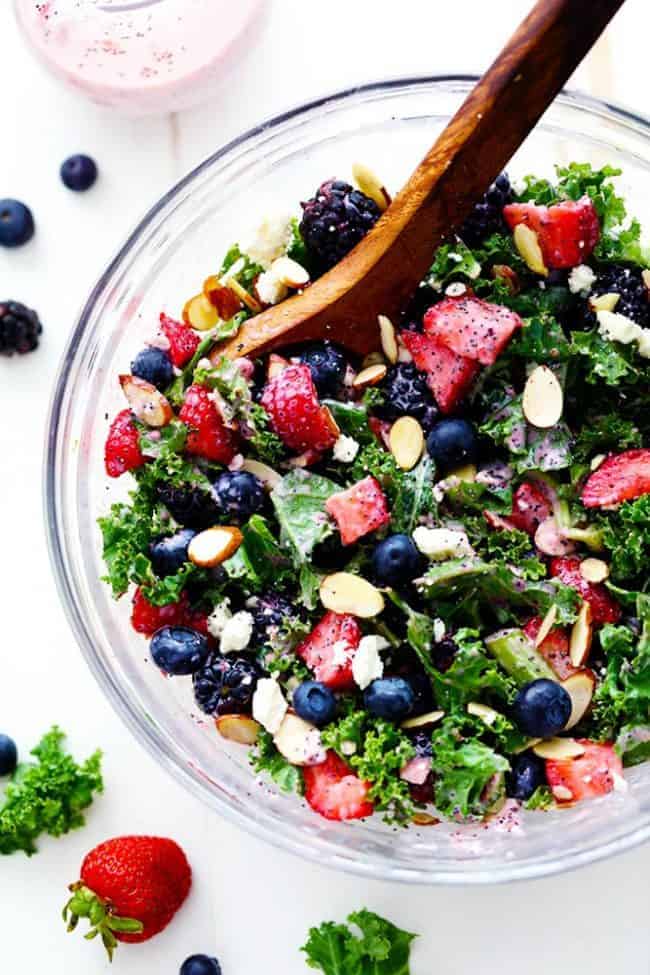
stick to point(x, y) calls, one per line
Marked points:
point(250, 904)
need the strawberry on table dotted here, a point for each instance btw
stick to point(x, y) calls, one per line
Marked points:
point(333, 790)
point(604, 607)
point(359, 510)
point(555, 648)
point(472, 328)
point(595, 773)
point(530, 507)
point(291, 401)
point(183, 342)
point(567, 232)
point(621, 477)
point(122, 450)
point(208, 435)
point(147, 618)
point(330, 648)
point(449, 375)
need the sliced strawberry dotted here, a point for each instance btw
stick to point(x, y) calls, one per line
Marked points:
point(449, 375)
point(530, 507)
point(291, 400)
point(472, 328)
point(183, 342)
point(567, 231)
point(122, 449)
point(381, 430)
point(498, 522)
point(147, 618)
point(208, 435)
point(604, 608)
point(554, 648)
point(330, 648)
point(593, 774)
point(333, 790)
point(359, 510)
point(619, 478)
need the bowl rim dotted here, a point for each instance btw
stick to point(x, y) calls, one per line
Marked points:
point(145, 732)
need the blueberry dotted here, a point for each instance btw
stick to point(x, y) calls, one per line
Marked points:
point(16, 223)
point(239, 494)
point(79, 173)
point(8, 755)
point(542, 708)
point(189, 506)
point(170, 553)
point(314, 702)
point(200, 965)
point(327, 365)
point(526, 774)
point(154, 366)
point(179, 650)
point(392, 698)
point(396, 561)
point(452, 443)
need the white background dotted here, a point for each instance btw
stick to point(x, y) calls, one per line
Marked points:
point(250, 904)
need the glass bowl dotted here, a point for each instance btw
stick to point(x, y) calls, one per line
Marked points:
point(389, 125)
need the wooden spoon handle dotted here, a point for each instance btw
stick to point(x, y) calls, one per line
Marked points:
point(382, 272)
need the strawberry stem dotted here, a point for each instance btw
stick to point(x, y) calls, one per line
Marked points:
point(84, 903)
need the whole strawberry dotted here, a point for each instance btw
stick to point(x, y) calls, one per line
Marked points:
point(129, 889)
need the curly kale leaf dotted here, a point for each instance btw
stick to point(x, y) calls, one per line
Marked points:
point(249, 271)
point(453, 262)
point(375, 460)
point(507, 547)
point(603, 360)
point(265, 758)
point(626, 533)
point(469, 775)
point(381, 948)
point(299, 502)
point(415, 497)
point(603, 433)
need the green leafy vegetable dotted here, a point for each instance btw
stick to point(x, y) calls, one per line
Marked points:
point(224, 330)
point(296, 248)
point(453, 261)
point(266, 758)
point(626, 533)
point(603, 433)
point(352, 419)
point(542, 798)
point(468, 774)
point(415, 497)
point(299, 502)
point(605, 361)
point(375, 460)
point(250, 270)
point(381, 948)
point(633, 744)
point(507, 547)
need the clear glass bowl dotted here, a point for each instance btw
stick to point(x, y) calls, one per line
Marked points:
point(389, 125)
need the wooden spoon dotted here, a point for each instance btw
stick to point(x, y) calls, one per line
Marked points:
point(384, 269)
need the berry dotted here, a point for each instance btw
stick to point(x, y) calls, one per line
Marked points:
point(141, 879)
point(154, 366)
point(530, 507)
point(593, 774)
point(79, 173)
point(554, 648)
point(334, 791)
point(567, 232)
point(16, 223)
point(406, 393)
point(239, 494)
point(269, 610)
point(295, 413)
point(421, 741)
point(190, 506)
point(122, 449)
point(314, 702)
point(604, 608)
point(486, 217)
point(472, 328)
point(147, 618)
point(423, 298)
point(390, 697)
point(200, 965)
point(359, 510)
point(329, 649)
point(178, 650)
point(396, 561)
point(541, 708)
point(452, 443)
point(226, 684)
point(449, 376)
point(183, 342)
point(621, 477)
point(20, 328)
point(443, 654)
point(629, 284)
point(208, 435)
point(168, 554)
point(527, 773)
point(334, 221)
point(8, 755)
point(327, 364)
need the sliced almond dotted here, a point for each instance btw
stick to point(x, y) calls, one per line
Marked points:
point(581, 636)
point(594, 570)
point(328, 416)
point(388, 339)
point(431, 717)
point(343, 592)
point(226, 303)
point(147, 403)
point(262, 472)
point(239, 728)
point(244, 296)
point(597, 461)
point(606, 302)
point(580, 688)
point(406, 441)
point(543, 400)
point(200, 313)
point(487, 714)
point(456, 289)
point(214, 545)
point(561, 793)
point(559, 748)
point(369, 376)
point(373, 359)
point(547, 625)
point(530, 743)
point(275, 365)
point(646, 278)
point(424, 819)
point(370, 184)
point(527, 243)
point(299, 741)
point(289, 272)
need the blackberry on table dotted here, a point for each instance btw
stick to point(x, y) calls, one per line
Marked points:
point(20, 328)
point(270, 609)
point(405, 393)
point(334, 221)
point(626, 282)
point(486, 218)
point(225, 685)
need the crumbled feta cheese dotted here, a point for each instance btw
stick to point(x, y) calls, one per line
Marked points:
point(348, 747)
point(581, 280)
point(618, 328)
point(441, 543)
point(341, 652)
point(237, 632)
point(367, 665)
point(269, 704)
point(270, 290)
point(218, 619)
point(439, 630)
point(345, 449)
point(271, 239)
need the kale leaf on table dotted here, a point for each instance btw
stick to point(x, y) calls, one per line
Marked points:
point(380, 948)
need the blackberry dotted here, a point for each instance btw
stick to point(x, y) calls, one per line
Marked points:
point(239, 494)
point(334, 221)
point(626, 282)
point(268, 610)
point(405, 393)
point(190, 506)
point(225, 685)
point(19, 328)
point(443, 654)
point(421, 741)
point(327, 364)
point(486, 218)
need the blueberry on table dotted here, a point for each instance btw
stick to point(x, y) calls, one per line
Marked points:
point(314, 702)
point(527, 773)
point(8, 755)
point(154, 366)
point(200, 965)
point(542, 708)
point(178, 650)
point(453, 443)
point(16, 223)
point(239, 494)
point(391, 698)
point(170, 553)
point(19, 328)
point(79, 173)
point(396, 561)
point(327, 364)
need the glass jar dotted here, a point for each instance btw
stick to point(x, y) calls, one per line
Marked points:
point(140, 56)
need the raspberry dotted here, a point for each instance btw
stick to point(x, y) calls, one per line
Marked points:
point(19, 328)
point(334, 221)
point(486, 217)
point(209, 437)
point(122, 450)
point(225, 685)
point(296, 415)
point(147, 618)
point(183, 342)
